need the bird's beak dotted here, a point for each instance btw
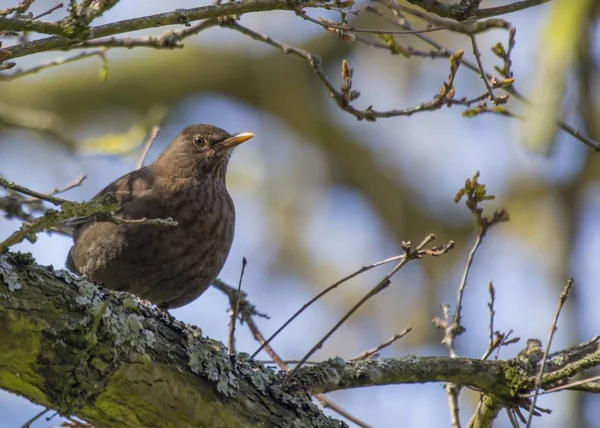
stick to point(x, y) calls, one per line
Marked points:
point(236, 139)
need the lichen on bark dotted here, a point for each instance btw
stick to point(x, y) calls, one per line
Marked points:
point(103, 356)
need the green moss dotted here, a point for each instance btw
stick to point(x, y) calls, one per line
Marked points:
point(148, 392)
point(19, 345)
point(23, 259)
point(17, 385)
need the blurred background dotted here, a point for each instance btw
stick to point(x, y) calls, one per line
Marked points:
point(320, 194)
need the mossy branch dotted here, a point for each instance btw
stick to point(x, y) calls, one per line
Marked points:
point(103, 356)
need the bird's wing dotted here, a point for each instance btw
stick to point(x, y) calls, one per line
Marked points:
point(136, 196)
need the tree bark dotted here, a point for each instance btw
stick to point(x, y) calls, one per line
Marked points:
point(82, 350)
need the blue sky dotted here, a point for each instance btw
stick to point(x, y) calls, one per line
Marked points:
point(430, 153)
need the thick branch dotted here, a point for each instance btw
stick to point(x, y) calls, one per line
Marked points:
point(335, 374)
point(71, 346)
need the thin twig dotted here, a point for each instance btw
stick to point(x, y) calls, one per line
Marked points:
point(511, 417)
point(592, 380)
point(168, 40)
point(509, 8)
point(233, 312)
point(577, 134)
point(325, 402)
point(110, 218)
point(75, 183)
point(329, 25)
point(440, 100)
point(153, 134)
point(35, 418)
point(288, 362)
point(538, 381)
point(59, 61)
point(480, 66)
point(372, 352)
point(321, 294)
point(491, 342)
point(128, 25)
point(24, 190)
point(469, 27)
point(48, 12)
point(457, 318)
point(475, 193)
point(328, 404)
point(385, 281)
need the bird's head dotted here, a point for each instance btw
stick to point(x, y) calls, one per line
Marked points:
point(201, 150)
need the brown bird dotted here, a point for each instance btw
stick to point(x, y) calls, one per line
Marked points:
point(168, 265)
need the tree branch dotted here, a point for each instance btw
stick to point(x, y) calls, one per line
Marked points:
point(179, 16)
point(104, 357)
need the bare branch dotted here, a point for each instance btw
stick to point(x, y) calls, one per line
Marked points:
point(374, 352)
point(470, 9)
point(410, 254)
point(325, 402)
point(234, 310)
point(538, 381)
point(480, 66)
point(24, 190)
point(577, 134)
point(153, 134)
point(59, 61)
point(179, 16)
point(509, 8)
point(321, 294)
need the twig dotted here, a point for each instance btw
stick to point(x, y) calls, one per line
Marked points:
point(59, 61)
point(475, 193)
point(495, 338)
point(245, 306)
point(509, 8)
point(444, 96)
point(538, 381)
point(329, 25)
point(572, 386)
point(153, 133)
point(13, 204)
point(577, 134)
point(410, 254)
point(328, 404)
point(75, 183)
point(511, 417)
point(457, 318)
point(24, 190)
point(22, 7)
point(168, 40)
point(48, 12)
point(370, 353)
point(233, 311)
point(467, 27)
point(321, 294)
point(128, 25)
point(505, 340)
point(35, 418)
point(480, 66)
point(111, 218)
point(288, 362)
point(325, 402)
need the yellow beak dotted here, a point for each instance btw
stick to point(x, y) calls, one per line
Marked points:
point(236, 139)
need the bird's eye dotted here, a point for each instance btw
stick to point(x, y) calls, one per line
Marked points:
point(199, 140)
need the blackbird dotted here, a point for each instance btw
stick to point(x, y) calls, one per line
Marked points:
point(170, 266)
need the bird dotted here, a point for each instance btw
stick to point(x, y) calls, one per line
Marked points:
point(169, 266)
